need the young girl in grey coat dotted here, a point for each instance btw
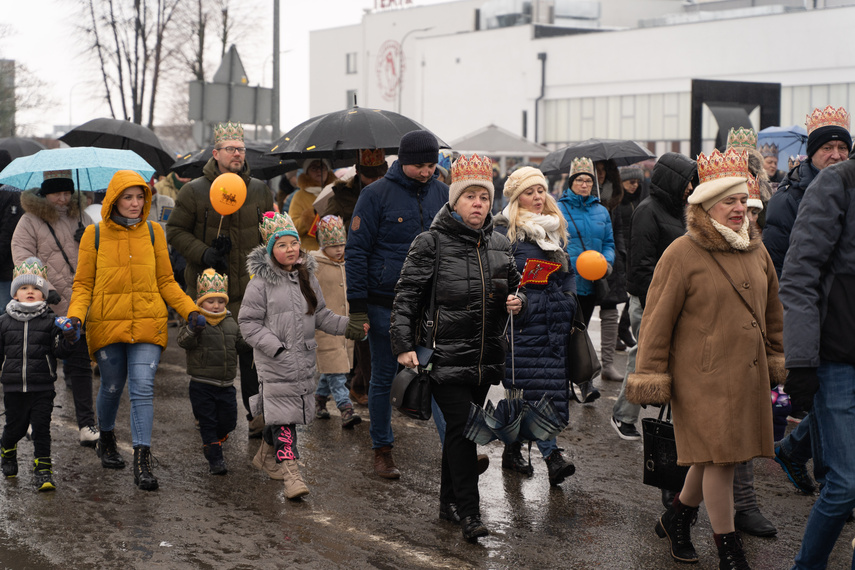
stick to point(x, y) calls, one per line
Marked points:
point(282, 307)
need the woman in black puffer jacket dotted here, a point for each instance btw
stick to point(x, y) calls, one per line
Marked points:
point(476, 279)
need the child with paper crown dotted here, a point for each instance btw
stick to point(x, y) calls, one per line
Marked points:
point(282, 306)
point(212, 357)
point(335, 354)
point(30, 343)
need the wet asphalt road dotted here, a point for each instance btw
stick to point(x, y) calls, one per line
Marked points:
point(602, 517)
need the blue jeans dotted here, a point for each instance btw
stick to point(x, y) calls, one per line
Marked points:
point(384, 366)
point(834, 410)
point(625, 411)
point(547, 447)
point(334, 384)
point(438, 420)
point(136, 364)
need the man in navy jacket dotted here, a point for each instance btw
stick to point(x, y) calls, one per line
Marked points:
point(389, 214)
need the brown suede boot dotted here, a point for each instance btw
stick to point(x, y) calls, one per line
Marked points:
point(384, 466)
point(264, 460)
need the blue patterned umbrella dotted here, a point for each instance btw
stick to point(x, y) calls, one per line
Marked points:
point(92, 168)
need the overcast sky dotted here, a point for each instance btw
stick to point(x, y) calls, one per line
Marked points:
point(41, 34)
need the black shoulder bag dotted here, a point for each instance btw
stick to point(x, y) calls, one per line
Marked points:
point(410, 392)
point(660, 452)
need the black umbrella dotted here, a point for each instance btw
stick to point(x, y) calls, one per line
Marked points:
point(621, 151)
point(261, 165)
point(19, 146)
point(114, 133)
point(340, 135)
point(502, 421)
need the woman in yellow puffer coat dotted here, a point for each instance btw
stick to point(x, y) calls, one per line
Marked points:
point(123, 278)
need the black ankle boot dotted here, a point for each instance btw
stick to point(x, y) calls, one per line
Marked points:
point(473, 528)
point(9, 462)
point(448, 512)
point(731, 556)
point(512, 460)
point(676, 524)
point(559, 469)
point(143, 477)
point(216, 462)
point(106, 449)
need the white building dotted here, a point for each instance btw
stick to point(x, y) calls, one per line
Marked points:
point(611, 69)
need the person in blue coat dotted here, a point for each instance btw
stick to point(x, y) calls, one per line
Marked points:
point(589, 226)
point(388, 215)
point(537, 365)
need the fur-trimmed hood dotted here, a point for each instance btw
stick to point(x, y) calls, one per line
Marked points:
point(260, 264)
point(703, 233)
point(39, 206)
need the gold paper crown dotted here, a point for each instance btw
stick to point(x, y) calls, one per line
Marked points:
point(228, 132)
point(331, 231)
point(472, 168)
point(741, 138)
point(717, 165)
point(769, 149)
point(210, 283)
point(372, 157)
point(30, 266)
point(828, 117)
point(583, 164)
point(273, 223)
point(49, 174)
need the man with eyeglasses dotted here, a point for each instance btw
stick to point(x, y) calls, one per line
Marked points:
point(192, 230)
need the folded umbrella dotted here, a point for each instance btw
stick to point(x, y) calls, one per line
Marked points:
point(501, 421)
point(623, 152)
point(114, 133)
point(91, 168)
point(540, 422)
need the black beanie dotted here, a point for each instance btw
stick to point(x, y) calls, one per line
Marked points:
point(418, 147)
point(53, 185)
point(823, 135)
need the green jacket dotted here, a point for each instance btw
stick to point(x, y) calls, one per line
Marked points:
point(212, 355)
point(192, 227)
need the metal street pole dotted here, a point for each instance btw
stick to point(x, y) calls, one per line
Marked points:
point(275, 110)
point(401, 62)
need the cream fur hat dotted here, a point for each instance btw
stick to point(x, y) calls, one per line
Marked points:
point(522, 179)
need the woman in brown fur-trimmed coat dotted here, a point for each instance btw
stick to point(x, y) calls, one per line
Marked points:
point(701, 350)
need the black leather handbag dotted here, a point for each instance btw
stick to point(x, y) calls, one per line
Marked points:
point(582, 362)
point(660, 453)
point(410, 392)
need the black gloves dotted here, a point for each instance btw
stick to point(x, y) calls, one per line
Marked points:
point(53, 298)
point(196, 322)
point(214, 258)
point(801, 385)
point(222, 244)
point(78, 235)
point(355, 326)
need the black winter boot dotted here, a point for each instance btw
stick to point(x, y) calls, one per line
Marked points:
point(513, 460)
point(106, 449)
point(216, 462)
point(473, 528)
point(143, 477)
point(558, 468)
point(731, 556)
point(676, 524)
point(43, 474)
point(9, 462)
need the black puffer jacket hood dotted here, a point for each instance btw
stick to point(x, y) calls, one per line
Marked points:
point(671, 175)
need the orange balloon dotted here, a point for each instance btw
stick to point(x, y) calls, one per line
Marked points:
point(591, 265)
point(228, 193)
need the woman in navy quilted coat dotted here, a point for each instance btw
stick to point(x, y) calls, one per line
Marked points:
point(538, 235)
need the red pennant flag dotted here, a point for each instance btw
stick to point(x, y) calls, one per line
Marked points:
point(538, 271)
point(313, 231)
